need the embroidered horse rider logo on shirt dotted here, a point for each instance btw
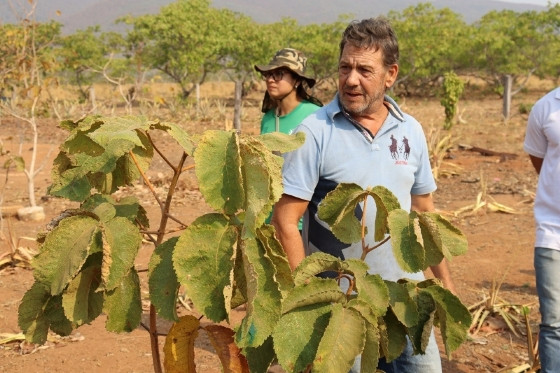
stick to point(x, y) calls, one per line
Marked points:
point(399, 153)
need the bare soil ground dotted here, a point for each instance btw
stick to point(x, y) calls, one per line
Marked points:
point(500, 244)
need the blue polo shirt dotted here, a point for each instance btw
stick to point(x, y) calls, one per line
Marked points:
point(336, 150)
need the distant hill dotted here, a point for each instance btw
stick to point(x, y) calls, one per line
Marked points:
point(79, 14)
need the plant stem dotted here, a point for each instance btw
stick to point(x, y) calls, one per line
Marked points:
point(165, 216)
point(367, 250)
point(146, 180)
point(160, 153)
point(161, 234)
point(364, 246)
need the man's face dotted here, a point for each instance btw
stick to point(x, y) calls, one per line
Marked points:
point(363, 79)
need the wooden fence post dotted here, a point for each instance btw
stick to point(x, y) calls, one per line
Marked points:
point(237, 106)
point(507, 81)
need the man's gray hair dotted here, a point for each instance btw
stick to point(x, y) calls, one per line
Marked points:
point(373, 33)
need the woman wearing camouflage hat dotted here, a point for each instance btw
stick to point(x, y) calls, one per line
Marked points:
point(286, 102)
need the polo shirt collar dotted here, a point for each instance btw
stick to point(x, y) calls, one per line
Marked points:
point(334, 107)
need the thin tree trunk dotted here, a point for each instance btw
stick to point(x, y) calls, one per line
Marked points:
point(507, 82)
point(237, 105)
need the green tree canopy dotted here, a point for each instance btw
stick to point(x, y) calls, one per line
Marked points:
point(431, 42)
point(183, 41)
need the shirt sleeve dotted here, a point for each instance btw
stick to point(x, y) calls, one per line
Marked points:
point(535, 140)
point(424, 181)
point(300, 172)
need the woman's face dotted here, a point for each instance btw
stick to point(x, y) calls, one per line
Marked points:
point(280, 83)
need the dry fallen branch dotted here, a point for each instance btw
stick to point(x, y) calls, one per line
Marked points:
point(488, 153)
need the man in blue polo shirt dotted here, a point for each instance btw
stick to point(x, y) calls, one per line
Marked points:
point(360, 137)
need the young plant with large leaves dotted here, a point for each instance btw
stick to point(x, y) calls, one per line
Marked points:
point(337, 310)
point(86, 261)
point(229, 258)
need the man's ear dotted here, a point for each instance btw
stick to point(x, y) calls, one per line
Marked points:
point(391, 76)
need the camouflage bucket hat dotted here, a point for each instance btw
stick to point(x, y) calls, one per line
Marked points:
point(291, 59)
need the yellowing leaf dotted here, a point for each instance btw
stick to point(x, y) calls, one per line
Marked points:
point(228, 352)
point(179, 346)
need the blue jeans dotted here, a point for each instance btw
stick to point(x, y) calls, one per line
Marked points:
point(430, 362)
point(547, 270)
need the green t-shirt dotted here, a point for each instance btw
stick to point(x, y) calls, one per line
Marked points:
point(289, 121)
point(286, 125)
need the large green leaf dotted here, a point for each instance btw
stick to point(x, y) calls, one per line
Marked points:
point(59, 323)
point(261, 182)
point(31, 313)
point(385, 202)
point(127, 169)
point(64, 252)
point(260, 358)
point(392, 336)
point(74, 173)
point(404, 239)
point(179, 134)
point(85, 124)
point(263, 296)
point(81, 301)
point(123, 305)
point(162, 280)
point(218, 169)
point(203, 262)
point(106, 161)
point(38, 311)
point(431, 240)
point(274, 250)
point(121, 241)
point(124, 127)
point(363, 309)
point(281, 142)
point(316, 290)
point(100, 156)
point(453, 317)
point(80, 142)
point(370, 354)
point(338, 211)
point(401, 303)
point(127, 207)
point(420, 333)
point(298, 334)
point(453, 242)
point(314, 264)
point(343, 340)
point(71, 185)
point(372, 290)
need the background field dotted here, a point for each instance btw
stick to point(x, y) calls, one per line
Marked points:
point(500, 244)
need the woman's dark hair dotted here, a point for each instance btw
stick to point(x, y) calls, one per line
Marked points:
point(373, 33)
